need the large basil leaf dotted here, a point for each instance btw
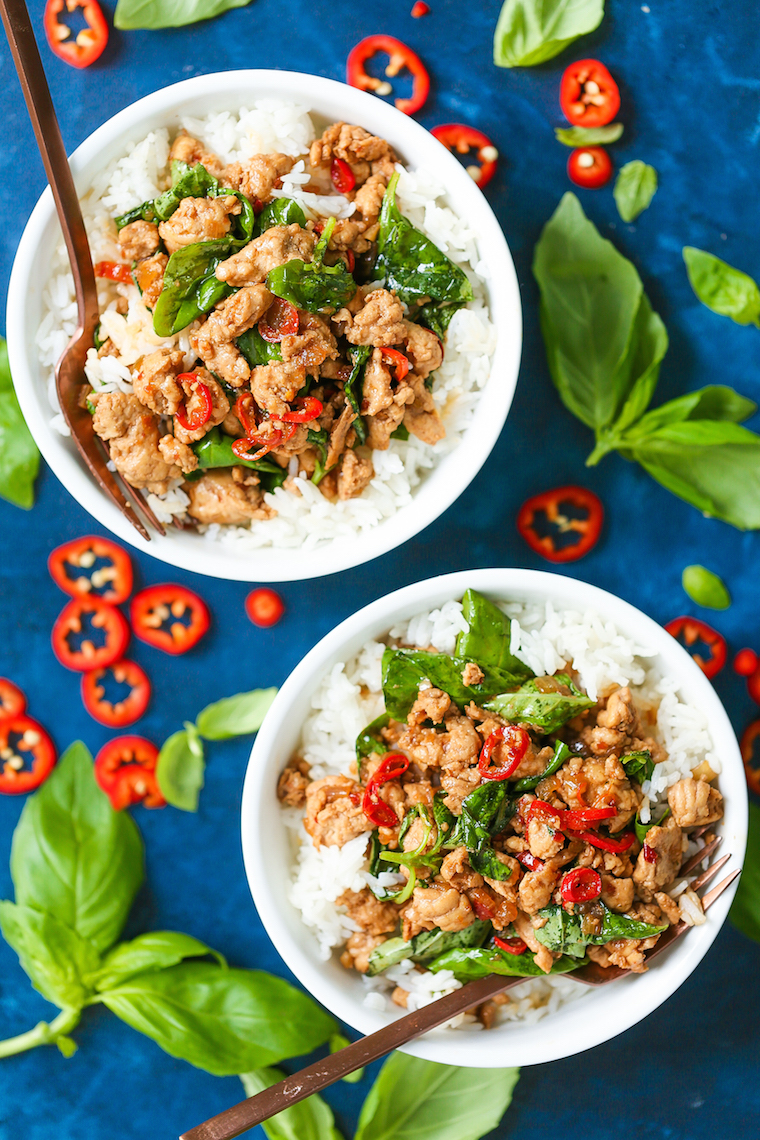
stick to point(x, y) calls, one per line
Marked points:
point(745, 909)
point(705, 588)
point(19, 457)
point(314, 289)
point(235, 716)
point(725, 290)
point(426, 946)
point(531, 31)
point(411, 264)
point(547, 711)
point(156, 950)
point(404, 670)
point(310, 1119)
point(131, 14)
point(467, 965)
point(73, 856)
point(563, 933)
point(488, 638)
point(635, 187)
point(715, 402)
point(589, 136)
point(421, 1100)
point(280, 212)
point(180, 768)
point(54, 956)
point(224, 1021)
point(191, 286)
point(187, 182)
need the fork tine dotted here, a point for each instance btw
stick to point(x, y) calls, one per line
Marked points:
point(710, 872)
point(139, 499)
point(700, 856)
point(716, 892)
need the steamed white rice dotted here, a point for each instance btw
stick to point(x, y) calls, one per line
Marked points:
point(544, 638)
point(304, 520)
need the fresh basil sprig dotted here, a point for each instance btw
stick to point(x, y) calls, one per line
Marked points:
point(635, 187)
point(723, 289)
point(19, 457)
point(152, 14)
point(531, 31)
point(604, 345)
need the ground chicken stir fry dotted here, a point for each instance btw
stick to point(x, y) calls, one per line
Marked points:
point(297, 365)
point(517, 836)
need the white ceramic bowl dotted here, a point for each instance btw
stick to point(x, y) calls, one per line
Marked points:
point(331, 101)
point(601, 1014)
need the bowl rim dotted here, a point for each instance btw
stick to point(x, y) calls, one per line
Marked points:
point(560, 1034)
point(452, 473)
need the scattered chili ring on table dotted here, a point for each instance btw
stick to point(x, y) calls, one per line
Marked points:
point(24, 742)
point(306, 410)
point(510, 945)
point(397, 361)
point(590, 167)
point(169, 617)
point(12, 700)
point(464, 139)
point(701, 641)
point(88, 45)
point(746, 662)
point(420, 8)
point(750, 746)
point(197, 406)
point(582, 884)
point(563, 524)
point(114, 271)
point(588, 95)
point(125, 769)
point(513, 742)
point(342, 177)
point(401, 56)
point(102, 565)
point(280, 319)
point(116, 713)
point(264, 607)
point(70, 627)
point(377, 811)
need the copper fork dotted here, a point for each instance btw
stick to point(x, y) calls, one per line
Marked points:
point(233, 1121)
point(69, 371)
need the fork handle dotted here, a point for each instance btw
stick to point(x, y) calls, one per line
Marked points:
point(26, 57)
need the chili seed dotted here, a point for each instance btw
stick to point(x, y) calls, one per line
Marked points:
point(177, 608)
point(384, 88)
point(87, 559)
point(31, 737)
point(474, 172)
point(15, 763)
point(488, 154)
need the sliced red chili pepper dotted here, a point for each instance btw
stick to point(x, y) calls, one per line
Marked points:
point(12, 700)
point(94, 566)
point(701, 641)
point(563, 524)
point(27, 755)
point(116, 712)
point(603, 842)
point(114, 271)
point(464, 139)
point(420, 8)
point(580, 817)
point(89, 43)
point(169, 617)
point(379, 813)
point(590, 167)
point(264, 607)
point(195, 410)
point(650, 855)
point(746, 662)
point(582, 884)
point(513, 742)
point(398, 362)
point(750, 746)
point(81, 624)
point(307, 409)
point(350, 260)
point(546, 813)
point(753, 686)
point(588, 95)
point(530, 862)
point(265, 443)
point(245, 410)
point(125, 769)
point(510, 945)
point(280, 319)
point(401, 56)
point(343, 177)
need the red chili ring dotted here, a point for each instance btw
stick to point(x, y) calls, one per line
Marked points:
point(153, 607)
point(264, 607)
point(193, 387)
point(513, 741)
point(582, 884)
point(88, 656)
point(34, 742)
point(81, 554)
point(125, 712)
point(689, 631)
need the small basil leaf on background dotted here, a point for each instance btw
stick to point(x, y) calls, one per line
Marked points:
point(531, 31)
point(725, 290)
point(338, 1042)
point(589, 136)
point(153, 951)
point(310, 1119)
point(180, 768)
point(466, 965)
point(705, 588)
point(19, 457)
point(745, 909)
point(222, 1020)
point(53, 955)
point(716, 402)
point(235, 716)
point(414, 1099)
point(151, 14)
point(635, 187)
point(73, 856)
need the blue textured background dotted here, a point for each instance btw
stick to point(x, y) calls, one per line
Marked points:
point(691, 106)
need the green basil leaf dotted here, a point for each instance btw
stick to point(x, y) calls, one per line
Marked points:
point(411, 264)
point(215, 450)
point(561, 754)
point(531, 31)
point(132, 14)
point(641, 829)
point(435, 316)
point(73, 856)
point(705, 588)
point(725, 290)
point(715, 402)
point(255, 349)
point(225, 1021)
point(404, 670)
point(310, 1119)
point(421, 1100)
point(280, 212)
point(328, 287)
point(354, 386)
point(488, 639)
point(466, 965)
point(153, 951)
point(180, 768)
point(426, 946)
point(563, 932)
point(369, 741)
point(648, 345)
point(547, 711)
point(635, 187)
point(638, 765)
point(235, 716)
point(190, 285)
point(745, 909)
point(19, 457)
point(187, 182)
point(320, 441)
point(589, 136)
point(54, 956)
point(144, 211)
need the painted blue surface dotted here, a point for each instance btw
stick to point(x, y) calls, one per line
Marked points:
point(691, 106)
